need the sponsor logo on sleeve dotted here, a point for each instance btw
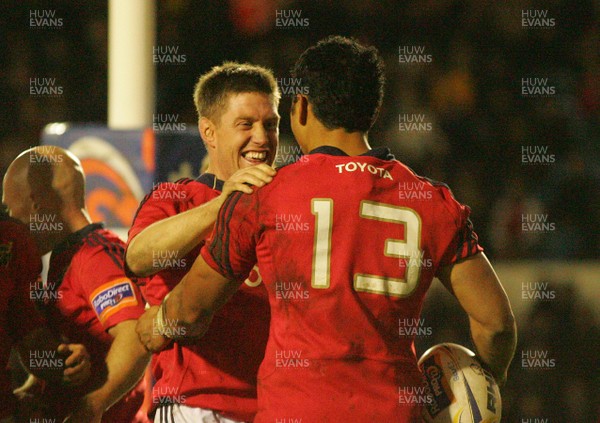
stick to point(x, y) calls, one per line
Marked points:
point(113, 297)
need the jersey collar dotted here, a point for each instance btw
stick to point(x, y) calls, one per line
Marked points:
point(76, 237)
point(382, 153)
point(210, 181)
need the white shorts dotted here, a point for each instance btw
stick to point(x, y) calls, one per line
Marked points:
point(178, 413)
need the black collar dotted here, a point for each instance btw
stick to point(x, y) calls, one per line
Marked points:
point(382, 153)
point(76, 237)
point(210, 181)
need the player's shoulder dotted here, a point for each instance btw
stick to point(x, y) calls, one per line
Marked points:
point(418, 186)
point(168, 198)
point(407, 174)
point(303, 165)
point(100, 237)
point(329, 161)
point(178, 190)
point(100, 245)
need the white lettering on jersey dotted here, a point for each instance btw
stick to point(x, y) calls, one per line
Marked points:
point(364, 167)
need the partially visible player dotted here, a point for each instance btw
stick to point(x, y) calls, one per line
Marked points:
point(20, 266)
point(341, 283)
point(91, 301)
point(216, 377)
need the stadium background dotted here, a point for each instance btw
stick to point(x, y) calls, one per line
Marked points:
point(478, 124)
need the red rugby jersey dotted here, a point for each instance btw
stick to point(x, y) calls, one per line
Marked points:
point(20, 266)
point(347, 248)
point(219, 371)
point(87, 293)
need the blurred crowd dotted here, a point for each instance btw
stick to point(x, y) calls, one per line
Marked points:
point(468, 93)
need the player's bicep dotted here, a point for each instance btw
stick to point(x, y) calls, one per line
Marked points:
point(479, 291)
point(152, 209)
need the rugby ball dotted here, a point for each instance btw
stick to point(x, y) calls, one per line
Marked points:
point(459, 389)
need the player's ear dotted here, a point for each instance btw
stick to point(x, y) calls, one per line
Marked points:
point(35, 203)
point(207, 131)
point(300, 109)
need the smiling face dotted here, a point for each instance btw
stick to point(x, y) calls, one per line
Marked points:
point(246, 133)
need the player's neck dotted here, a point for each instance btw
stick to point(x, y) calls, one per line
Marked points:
point(70, 221)
point(220, 175)
point(353, 143)
point(77, 219)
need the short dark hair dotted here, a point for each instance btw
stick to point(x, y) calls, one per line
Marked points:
point(345, 82)
point(212, 88)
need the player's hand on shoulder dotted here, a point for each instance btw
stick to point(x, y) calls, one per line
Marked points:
point(146, 329)
point(241, 180)
point(78, 366)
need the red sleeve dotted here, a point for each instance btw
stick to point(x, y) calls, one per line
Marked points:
point(162, 202)
point(112, 296)
point(158, 204)
point(465, 241)
point(231, 248)
point(26, 266)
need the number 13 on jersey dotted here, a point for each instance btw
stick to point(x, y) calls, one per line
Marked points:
point(408, 248)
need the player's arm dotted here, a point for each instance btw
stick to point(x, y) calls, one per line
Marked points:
point(179, 234)
point(126, 362)
point(188, 309)
point(223, 264)
point(182, 232)
point(200, 294)
point(477, 287)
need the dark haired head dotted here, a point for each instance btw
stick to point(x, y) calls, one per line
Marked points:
point(212, 89)
point(345, 83)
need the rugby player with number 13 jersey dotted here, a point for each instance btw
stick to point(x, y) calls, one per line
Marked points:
point(362, 263)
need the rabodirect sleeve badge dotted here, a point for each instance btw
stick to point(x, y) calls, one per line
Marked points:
point(112, 297)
